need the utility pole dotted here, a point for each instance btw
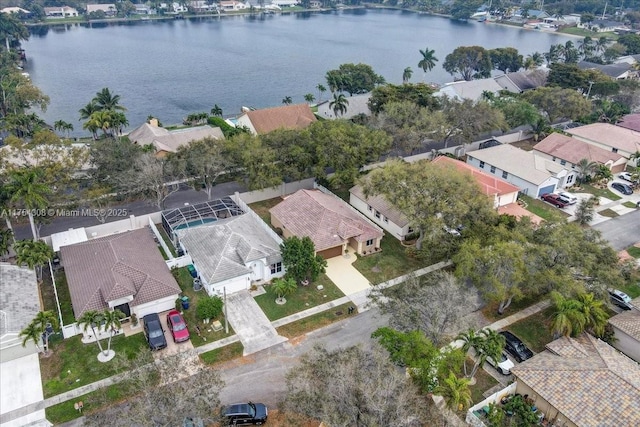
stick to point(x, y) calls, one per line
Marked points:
point(605, 9)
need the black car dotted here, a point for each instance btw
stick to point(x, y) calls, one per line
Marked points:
point(240, 414)
point(516, 347)
point(622, 187)
point(154, 332)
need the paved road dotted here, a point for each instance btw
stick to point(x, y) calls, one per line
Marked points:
point(622, 231)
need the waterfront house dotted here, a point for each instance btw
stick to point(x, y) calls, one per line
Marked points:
point(109, 9)
point(298, 116)
point(616, 139)
point(231, 5)
point(473, 89)
point(522, 81)
point(165, 141)
point(202, 6)
point(15, 10)
point(358, 104)
point(617, 71)
point(60, 12)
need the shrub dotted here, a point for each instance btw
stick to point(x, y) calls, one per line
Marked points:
point(208, 308)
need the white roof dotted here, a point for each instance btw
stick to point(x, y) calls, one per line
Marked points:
point(69, 237)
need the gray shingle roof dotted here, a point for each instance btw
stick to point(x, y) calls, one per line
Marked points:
point(19, 300)
point(380, 203)
point(116, 266)
point(222, 249)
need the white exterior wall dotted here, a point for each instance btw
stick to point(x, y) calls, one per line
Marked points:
point(158, 306)
point(505, 199)
point(627, 344)
point(390, 227)
point(243, 120)
point(232, 285)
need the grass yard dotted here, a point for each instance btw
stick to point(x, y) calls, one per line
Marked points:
point(305, 297)
point(167, 241)
point(206, 334)
point(92, 402)
point(490, 310)
point(223, 354)
point(631, 289)
point(389, 263)
point(542, 209)
point(262, 208)
point(629, 205)
point(600, 192)
point(608, 213)
point(49, 298)
point(584, 33)
point(484, 381)
point(634, 251)
point(308, 324)
point(73, 364)
point(534, 330)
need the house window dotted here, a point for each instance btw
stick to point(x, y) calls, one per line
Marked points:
point(370, 208)
point(563, 162)
point(493, 169)
point(410, 230)
point(505, 175)
point(615, 150)
point(386, 220)
point(377, 214)
point(369, 242)
point(570, 179)
point(276, 268)
point(481, 165)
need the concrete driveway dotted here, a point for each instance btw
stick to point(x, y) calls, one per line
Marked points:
point(341, 272)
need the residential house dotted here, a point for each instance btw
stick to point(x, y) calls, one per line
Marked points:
point(142, 9)
point(535, 14)
point(569, 151)
point(332, 224)
point(473, 90)
point(285, 3)
point(20, 379)
point(60, 12)
point(298, 116)
point(230, 5)
point(522, 81)
point(603, 25)
point(630, 121)
point(109, 9)
point(627, 59)
point(173, 8)
point(358, 104)
point(123, 271)
point(626, 328)
point(619, 71)
point(232, 254)
point(579, 382)
point(609, 137)
point(165, 141)
point(532, 174)
point(202, 6)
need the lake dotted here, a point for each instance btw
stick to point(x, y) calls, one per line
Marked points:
point(169, 69)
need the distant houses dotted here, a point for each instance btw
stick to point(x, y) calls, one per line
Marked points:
point(266, 120)
point(60, 12)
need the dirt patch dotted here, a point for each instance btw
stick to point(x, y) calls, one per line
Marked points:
point(526, 145)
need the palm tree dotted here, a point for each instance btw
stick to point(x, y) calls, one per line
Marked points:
point(470, 340)
point(92, 318)
point(602, 44)
point(6, 240)
point(635, 156)
point(428, 61)
point(105, 100)
point(111, 323)
point(321, 90)
point(88, 110)
point(31, 333)
point(406, 75)
point(568, 318)
point(46, 322)
point(603, 173)
point(594, 313)
point(286, 100)
point(455, 392)
point(585, 168)
point(309, 97)
point(283, 287)
point(12, 29)
point(27, 189)
point(216, 110)
point(339, 104)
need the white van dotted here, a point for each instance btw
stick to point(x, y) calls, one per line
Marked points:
point(568, 198)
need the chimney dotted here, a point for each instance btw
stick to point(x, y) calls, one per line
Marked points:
point(153, 122)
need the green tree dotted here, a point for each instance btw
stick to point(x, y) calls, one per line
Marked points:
point(19, 97)
point(585, 210)
point(631, 42)
point(506, 59)
point(300, 259)
point(31, 333)
point(463, 9)
point(558, 103)
point(105, 100)
point(283, 287)
point(339, 104)
point(216, 111)
point(585, 168)
point(419, 94)
point(88, 110)
point(353, 79)
point(61, 125)
point(517, 112)
point(567, 319)
point(471, 62)
point(34, 254)
point(594, 312)
point(466, 119)
point(6, 241)
point(44, 323)
point(456, 392)
point(321, 90)
point(92, 319)
point(470, 340)
point(111, 319)
point(209, 307)
point(427, 60)
point(287, 100)
point(12, 30)
point(256, 159)
point(406, 75)
point(309, 97)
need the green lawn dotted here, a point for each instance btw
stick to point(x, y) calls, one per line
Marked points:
point(167, 240)
point(94, 401)
point(207, 334)
point(305, 297)
point(600, 192)
point(534, 330)
point(608, 213)
point(311, 323)
point(584, 32)
point(262, 208)
point(389, 263)
point(49, 298)
point(73, 364)
point(634, 251)
point(631, 289)
point(542, 209)
point(629, 205)
point(484, 381)
point(223, 354)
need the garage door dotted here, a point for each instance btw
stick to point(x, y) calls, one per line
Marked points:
point(331, 252)
point(545, 190)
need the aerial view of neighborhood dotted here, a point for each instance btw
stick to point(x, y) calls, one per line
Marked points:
point(320, 213)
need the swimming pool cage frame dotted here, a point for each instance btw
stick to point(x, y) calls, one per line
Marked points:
point(195, 215)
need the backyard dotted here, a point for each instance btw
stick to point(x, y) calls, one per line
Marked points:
point(49, 297)
point(262, 208)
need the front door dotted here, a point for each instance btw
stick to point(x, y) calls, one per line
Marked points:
point(124, 308)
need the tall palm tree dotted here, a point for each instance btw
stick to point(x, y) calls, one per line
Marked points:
point(406, 75)
point(105, 100)
point(309, 97)
point(321, 90)
point(287, 100)
point(470, 339)
point(585, 168)
point(428, 60)
point(339, 104)
point(602, 44)
point(567, 319)
point(88, 110)
point(216, 110)
point(6, 240)
point(45, 322)
point(92, 319)
point(34, 254)
point(26, 189)
point(31, 333)
point(112, 323)
point(594, 313)
point(455, 392)
point(12, 29)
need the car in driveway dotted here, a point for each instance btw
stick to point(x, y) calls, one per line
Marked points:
point(153, 331)
point(503, 366)
point(177, 326)
point(627, 177)
point(622, 187)
point(240, 414)
point(516, 347)
point(568, 198)
point(620, 299)
point(554, 199)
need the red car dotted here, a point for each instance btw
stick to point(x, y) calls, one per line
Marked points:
point(177, 326)
point(554, 199)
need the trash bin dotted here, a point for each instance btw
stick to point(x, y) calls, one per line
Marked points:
point(185, 302)
point(192, 271)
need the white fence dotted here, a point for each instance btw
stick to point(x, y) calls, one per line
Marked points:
point(473, 420)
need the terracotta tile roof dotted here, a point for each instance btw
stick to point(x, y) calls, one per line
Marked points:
point(116, 266)
point(297, 116)
point(573, 150)
point(169, 141)
point(490, 184)
point(609, 135)
point(628, 322)
point(380, 203)
point(630, 121)
point(326, 219)
point(589, 382)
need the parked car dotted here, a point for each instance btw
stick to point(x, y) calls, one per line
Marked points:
point(177, 326)
point(568, 198)
point(622, 187)
point(503, 366)
point(516, 347)
point(627, 177)
point(246, 413)
point(153, 331)
point(554, 199)
point(620, 299)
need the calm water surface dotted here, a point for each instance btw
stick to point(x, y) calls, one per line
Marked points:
point(172, 68)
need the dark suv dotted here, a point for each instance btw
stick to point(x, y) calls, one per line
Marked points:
point(554, 199)
point(516, 347)
point(240, 414)
point(153, 331)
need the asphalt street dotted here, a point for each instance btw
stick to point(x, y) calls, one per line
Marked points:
point(621, 232)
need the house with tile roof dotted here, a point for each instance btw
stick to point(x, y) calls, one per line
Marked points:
point(582, 382)
point(109, 9)
point(122, 271)
point(169, 141)
point(609, 137)
point(473, 89)
point(234, 253)
point(617, 71)
point(60, 12)
point(630, 121)
point(534, 175)
point(297, 116)
point(358, 104)
point(626, 327)
point(522, 81)
point(333, 225)
point(569, 151)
